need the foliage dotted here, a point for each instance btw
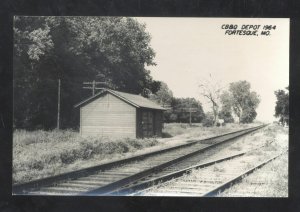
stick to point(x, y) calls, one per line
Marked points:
point(208, 121)
point(163, 96)
point(32, 158)
point(173, 129)
point(226, 115)
point(282, 106)
point(180, 108)
point(42, 153)
point(248, 115)
point(226, 111)
point(241, 100)
point(274, 175)
point(198, 131)
point(75, 49)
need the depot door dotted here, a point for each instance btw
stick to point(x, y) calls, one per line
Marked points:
point(147, 123)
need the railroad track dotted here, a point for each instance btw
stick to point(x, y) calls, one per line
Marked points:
point(110, 177)
point(260, 183)
point(207, 179)
point(208, 158)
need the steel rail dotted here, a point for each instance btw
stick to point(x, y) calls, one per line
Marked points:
point(238, 178)
point(136, 187)
point(22, 188)
point(109, 188)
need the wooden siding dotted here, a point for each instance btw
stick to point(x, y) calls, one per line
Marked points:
point(108, 116)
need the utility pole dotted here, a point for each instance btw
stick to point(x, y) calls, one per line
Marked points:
point(58, 105)
point(190, 110)
point(190, 116)
point(93, 86)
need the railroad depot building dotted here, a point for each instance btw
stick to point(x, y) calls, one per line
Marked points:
point(117, 114)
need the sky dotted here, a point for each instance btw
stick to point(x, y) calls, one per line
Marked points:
point(189, 50)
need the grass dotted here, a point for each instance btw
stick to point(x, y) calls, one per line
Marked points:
point(40, 154)
point(45, 153)
point(269, 181)
point(197, 130)
point(274, 175)
point(218, 168)
point(274, 178)
point(173, 129)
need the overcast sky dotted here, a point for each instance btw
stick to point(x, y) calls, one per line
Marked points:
point(189, 49)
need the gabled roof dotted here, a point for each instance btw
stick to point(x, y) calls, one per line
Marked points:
point(132, 99)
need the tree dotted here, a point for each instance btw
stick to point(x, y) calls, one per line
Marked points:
point(282, 106)
point(163, 96)
point(226, 111)
point(179, 111)
point(226, 115)
point(75, 49)
point(211, 90)
point(208, 121)
point(242, 101)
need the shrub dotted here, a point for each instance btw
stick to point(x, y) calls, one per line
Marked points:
point(36, 164)
point(150, 142)
point(226, 115)
point(68, 156)
point(134, 143)
point(166, 135)
point(208, 121)
point(39, 154)
point(123, 146)
point(173, 129)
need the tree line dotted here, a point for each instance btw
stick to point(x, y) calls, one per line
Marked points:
point(282, 106)
point(75, 49)
point(117, 49)
point(238, 100)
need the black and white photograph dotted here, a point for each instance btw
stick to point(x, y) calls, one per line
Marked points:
point(150, 106)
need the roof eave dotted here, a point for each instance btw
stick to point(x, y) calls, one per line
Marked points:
point(86, 101)
point(121, 97)
point(154, 108)
point(82, 103)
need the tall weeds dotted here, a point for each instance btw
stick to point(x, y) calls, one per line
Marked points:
point(41, 153)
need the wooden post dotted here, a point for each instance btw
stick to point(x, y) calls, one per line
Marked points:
point(94, 87)
point(58, 105)
point(190, 110)
point(190, 116)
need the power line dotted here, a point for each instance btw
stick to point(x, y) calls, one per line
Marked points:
point(189, 110)
point(93, 86)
